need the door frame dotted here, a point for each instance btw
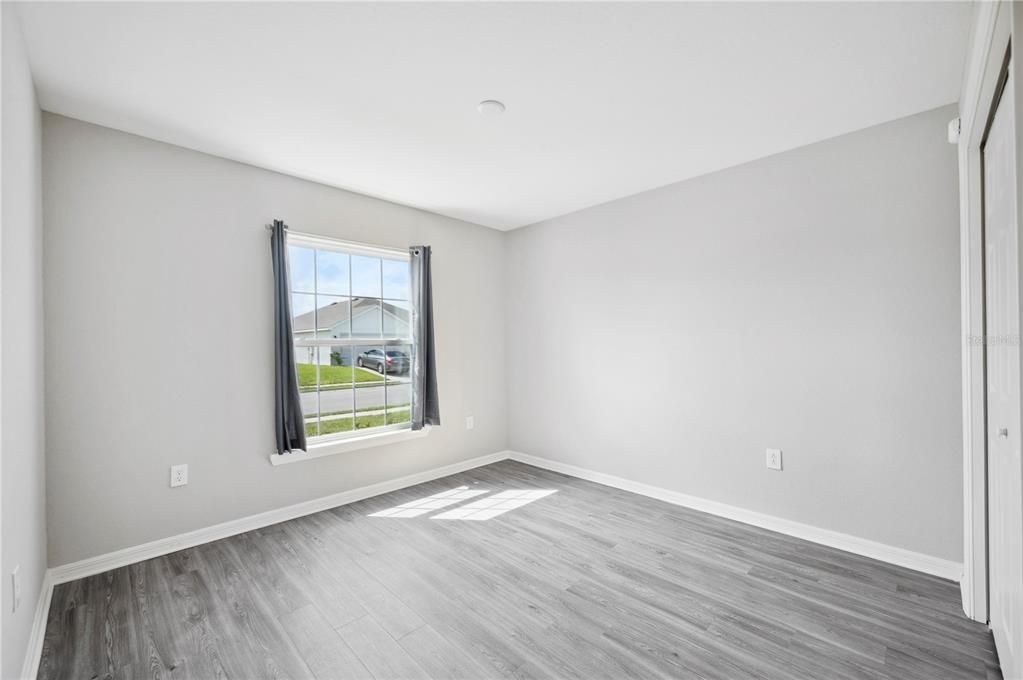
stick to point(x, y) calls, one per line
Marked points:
point(994, 24)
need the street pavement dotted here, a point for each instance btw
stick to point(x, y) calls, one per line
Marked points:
point(360, 398)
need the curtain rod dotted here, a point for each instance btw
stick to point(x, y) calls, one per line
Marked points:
point(358, 244)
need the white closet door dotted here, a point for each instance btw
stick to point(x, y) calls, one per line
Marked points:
point(1002, 314)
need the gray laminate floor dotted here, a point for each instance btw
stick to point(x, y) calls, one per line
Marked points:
point(586, 582)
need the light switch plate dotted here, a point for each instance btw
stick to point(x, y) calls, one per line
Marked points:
point(774, 459)
point(470, 422)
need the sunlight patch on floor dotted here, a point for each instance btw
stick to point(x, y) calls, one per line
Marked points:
point(498, 504)
point(431, 503)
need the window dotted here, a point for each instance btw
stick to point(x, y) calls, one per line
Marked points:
point(352, 325)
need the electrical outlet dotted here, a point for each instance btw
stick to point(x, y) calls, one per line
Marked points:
point(179, 475)
point(470, 422)
point(16, 588)
point(774, 459)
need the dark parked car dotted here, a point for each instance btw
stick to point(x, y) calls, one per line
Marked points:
point(389, 361)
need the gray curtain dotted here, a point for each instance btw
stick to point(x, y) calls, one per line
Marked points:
point(288, 422)
point(425, 407)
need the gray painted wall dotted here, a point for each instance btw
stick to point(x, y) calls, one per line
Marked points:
point(21, 348)
point(808, 301)
point(141, 235)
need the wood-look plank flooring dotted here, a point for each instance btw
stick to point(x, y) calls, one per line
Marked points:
point(588, 582)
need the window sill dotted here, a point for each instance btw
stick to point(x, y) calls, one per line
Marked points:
point(348, 445)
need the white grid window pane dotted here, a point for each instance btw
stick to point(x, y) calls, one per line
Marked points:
point(366, 321)
point(338, 316)
point(332, 313)
point(397, 319)
point(396, 280)
point(366, 276)
point(398, 389)
point(332, 273)
point(302, 268)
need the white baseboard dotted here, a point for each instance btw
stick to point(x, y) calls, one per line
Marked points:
point(966, 592)
point(927, 564)
point(34, 650)
point(163, 546)
point(96, 565)
point(860, 546)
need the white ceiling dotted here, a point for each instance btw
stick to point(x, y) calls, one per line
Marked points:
point(604, 100)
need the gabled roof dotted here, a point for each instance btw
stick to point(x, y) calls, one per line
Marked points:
point(337, 312)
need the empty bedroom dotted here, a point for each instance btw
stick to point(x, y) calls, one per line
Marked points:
point(511, 340)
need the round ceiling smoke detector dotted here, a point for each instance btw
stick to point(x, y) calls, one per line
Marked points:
point(490, 107)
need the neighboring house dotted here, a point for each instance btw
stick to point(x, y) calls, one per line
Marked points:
point(363, 318)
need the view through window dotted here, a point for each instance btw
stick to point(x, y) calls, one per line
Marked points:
point(351, 320)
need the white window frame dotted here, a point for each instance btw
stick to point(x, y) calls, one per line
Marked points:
point(369, 436)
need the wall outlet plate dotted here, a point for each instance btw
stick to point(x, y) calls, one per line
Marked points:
point(179, 475)
point(774, 459)
point(470, 422)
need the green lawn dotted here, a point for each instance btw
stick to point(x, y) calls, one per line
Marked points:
point(348, 410)
point(335, 425)
point(334, 375)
